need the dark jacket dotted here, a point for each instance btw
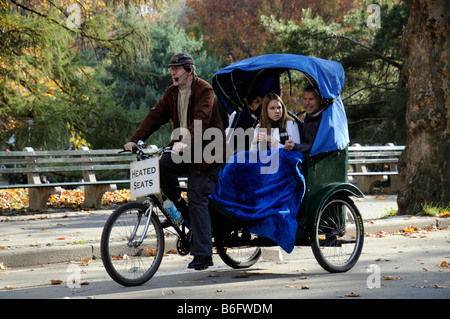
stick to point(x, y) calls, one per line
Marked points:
point(201, 107)
point(308, 133)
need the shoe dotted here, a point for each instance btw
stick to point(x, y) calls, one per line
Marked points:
point(201, 262)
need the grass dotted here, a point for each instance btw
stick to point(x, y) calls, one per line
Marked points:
point(432, 210)
point(426, 210)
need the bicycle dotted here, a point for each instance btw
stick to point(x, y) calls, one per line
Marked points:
point(132, 241)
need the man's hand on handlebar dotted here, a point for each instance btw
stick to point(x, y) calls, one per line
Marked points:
point(129, 146)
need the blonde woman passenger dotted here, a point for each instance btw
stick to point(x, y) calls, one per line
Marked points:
point(277, 129)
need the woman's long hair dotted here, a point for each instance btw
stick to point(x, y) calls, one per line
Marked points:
point(264, 118)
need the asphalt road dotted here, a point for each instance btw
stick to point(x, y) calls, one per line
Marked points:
point(390, 267)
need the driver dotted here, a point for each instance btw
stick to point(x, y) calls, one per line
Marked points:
point(188, 99)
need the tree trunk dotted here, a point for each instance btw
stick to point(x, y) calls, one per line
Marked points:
point(424, 165)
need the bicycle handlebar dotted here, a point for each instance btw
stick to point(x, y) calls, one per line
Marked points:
point(138, 149)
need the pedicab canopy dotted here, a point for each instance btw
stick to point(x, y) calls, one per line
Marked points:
point(235, 82)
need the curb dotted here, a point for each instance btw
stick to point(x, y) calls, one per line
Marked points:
point(392, 224)
point(35, 256)
point(31, 256)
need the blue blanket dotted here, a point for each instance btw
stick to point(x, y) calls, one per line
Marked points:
point(265, 192)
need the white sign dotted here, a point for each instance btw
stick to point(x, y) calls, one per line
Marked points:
point(144, 177)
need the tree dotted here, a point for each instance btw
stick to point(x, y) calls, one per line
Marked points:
point(373, 94)
point(140, 84)
point(234, 30)
point(424, 165)
point(50, 91)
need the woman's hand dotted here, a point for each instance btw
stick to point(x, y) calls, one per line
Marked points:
point(289, 145)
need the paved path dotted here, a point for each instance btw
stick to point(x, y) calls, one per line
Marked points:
point(54, 237)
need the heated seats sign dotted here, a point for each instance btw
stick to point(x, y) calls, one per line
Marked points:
point(144, 177)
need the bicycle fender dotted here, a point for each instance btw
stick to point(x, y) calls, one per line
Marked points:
point(320, 198)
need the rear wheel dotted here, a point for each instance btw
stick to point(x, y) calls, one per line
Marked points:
point(237, 256)
point(338, 234)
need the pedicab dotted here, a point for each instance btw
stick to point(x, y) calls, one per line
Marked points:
point(322, 215)
point(327, 219)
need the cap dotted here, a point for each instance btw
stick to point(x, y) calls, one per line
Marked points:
point(181, 59)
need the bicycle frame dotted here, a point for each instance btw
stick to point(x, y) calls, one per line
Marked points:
point(148, 214)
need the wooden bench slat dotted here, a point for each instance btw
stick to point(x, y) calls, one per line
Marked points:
point(373, 161)
point(38, 161)
point(65, 184)
point(53, 169)
point(67, 153)
point(374, 154)
point(376, 148)
point(372, 173)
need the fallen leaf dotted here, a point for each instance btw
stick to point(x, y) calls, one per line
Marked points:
point(390, 278)
point(410, 229)
point(242, 275)
point(382, 259)
point(305, 287)
point(417, 286)
point(85, 262)
point(56, 282)
point(444, 264)
point(61, 238)
point(438, 286)
point(150, 252)
point(3, 267)
point(352, 295)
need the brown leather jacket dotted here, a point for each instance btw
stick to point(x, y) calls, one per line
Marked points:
point(201, 107)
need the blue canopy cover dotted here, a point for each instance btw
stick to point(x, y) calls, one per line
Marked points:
point(233, 83)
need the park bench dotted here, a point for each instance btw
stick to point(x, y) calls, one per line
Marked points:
point(85, 164)
point(371, 164)
point(367, 165)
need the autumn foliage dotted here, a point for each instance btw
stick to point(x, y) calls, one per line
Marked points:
point(17, 199)
point(234, 30)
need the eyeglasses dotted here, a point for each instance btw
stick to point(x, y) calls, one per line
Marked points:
point(175, 68)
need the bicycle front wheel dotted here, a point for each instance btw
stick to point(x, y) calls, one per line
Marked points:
point(132, 245)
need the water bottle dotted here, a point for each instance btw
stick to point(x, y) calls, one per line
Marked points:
point(173, 212)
